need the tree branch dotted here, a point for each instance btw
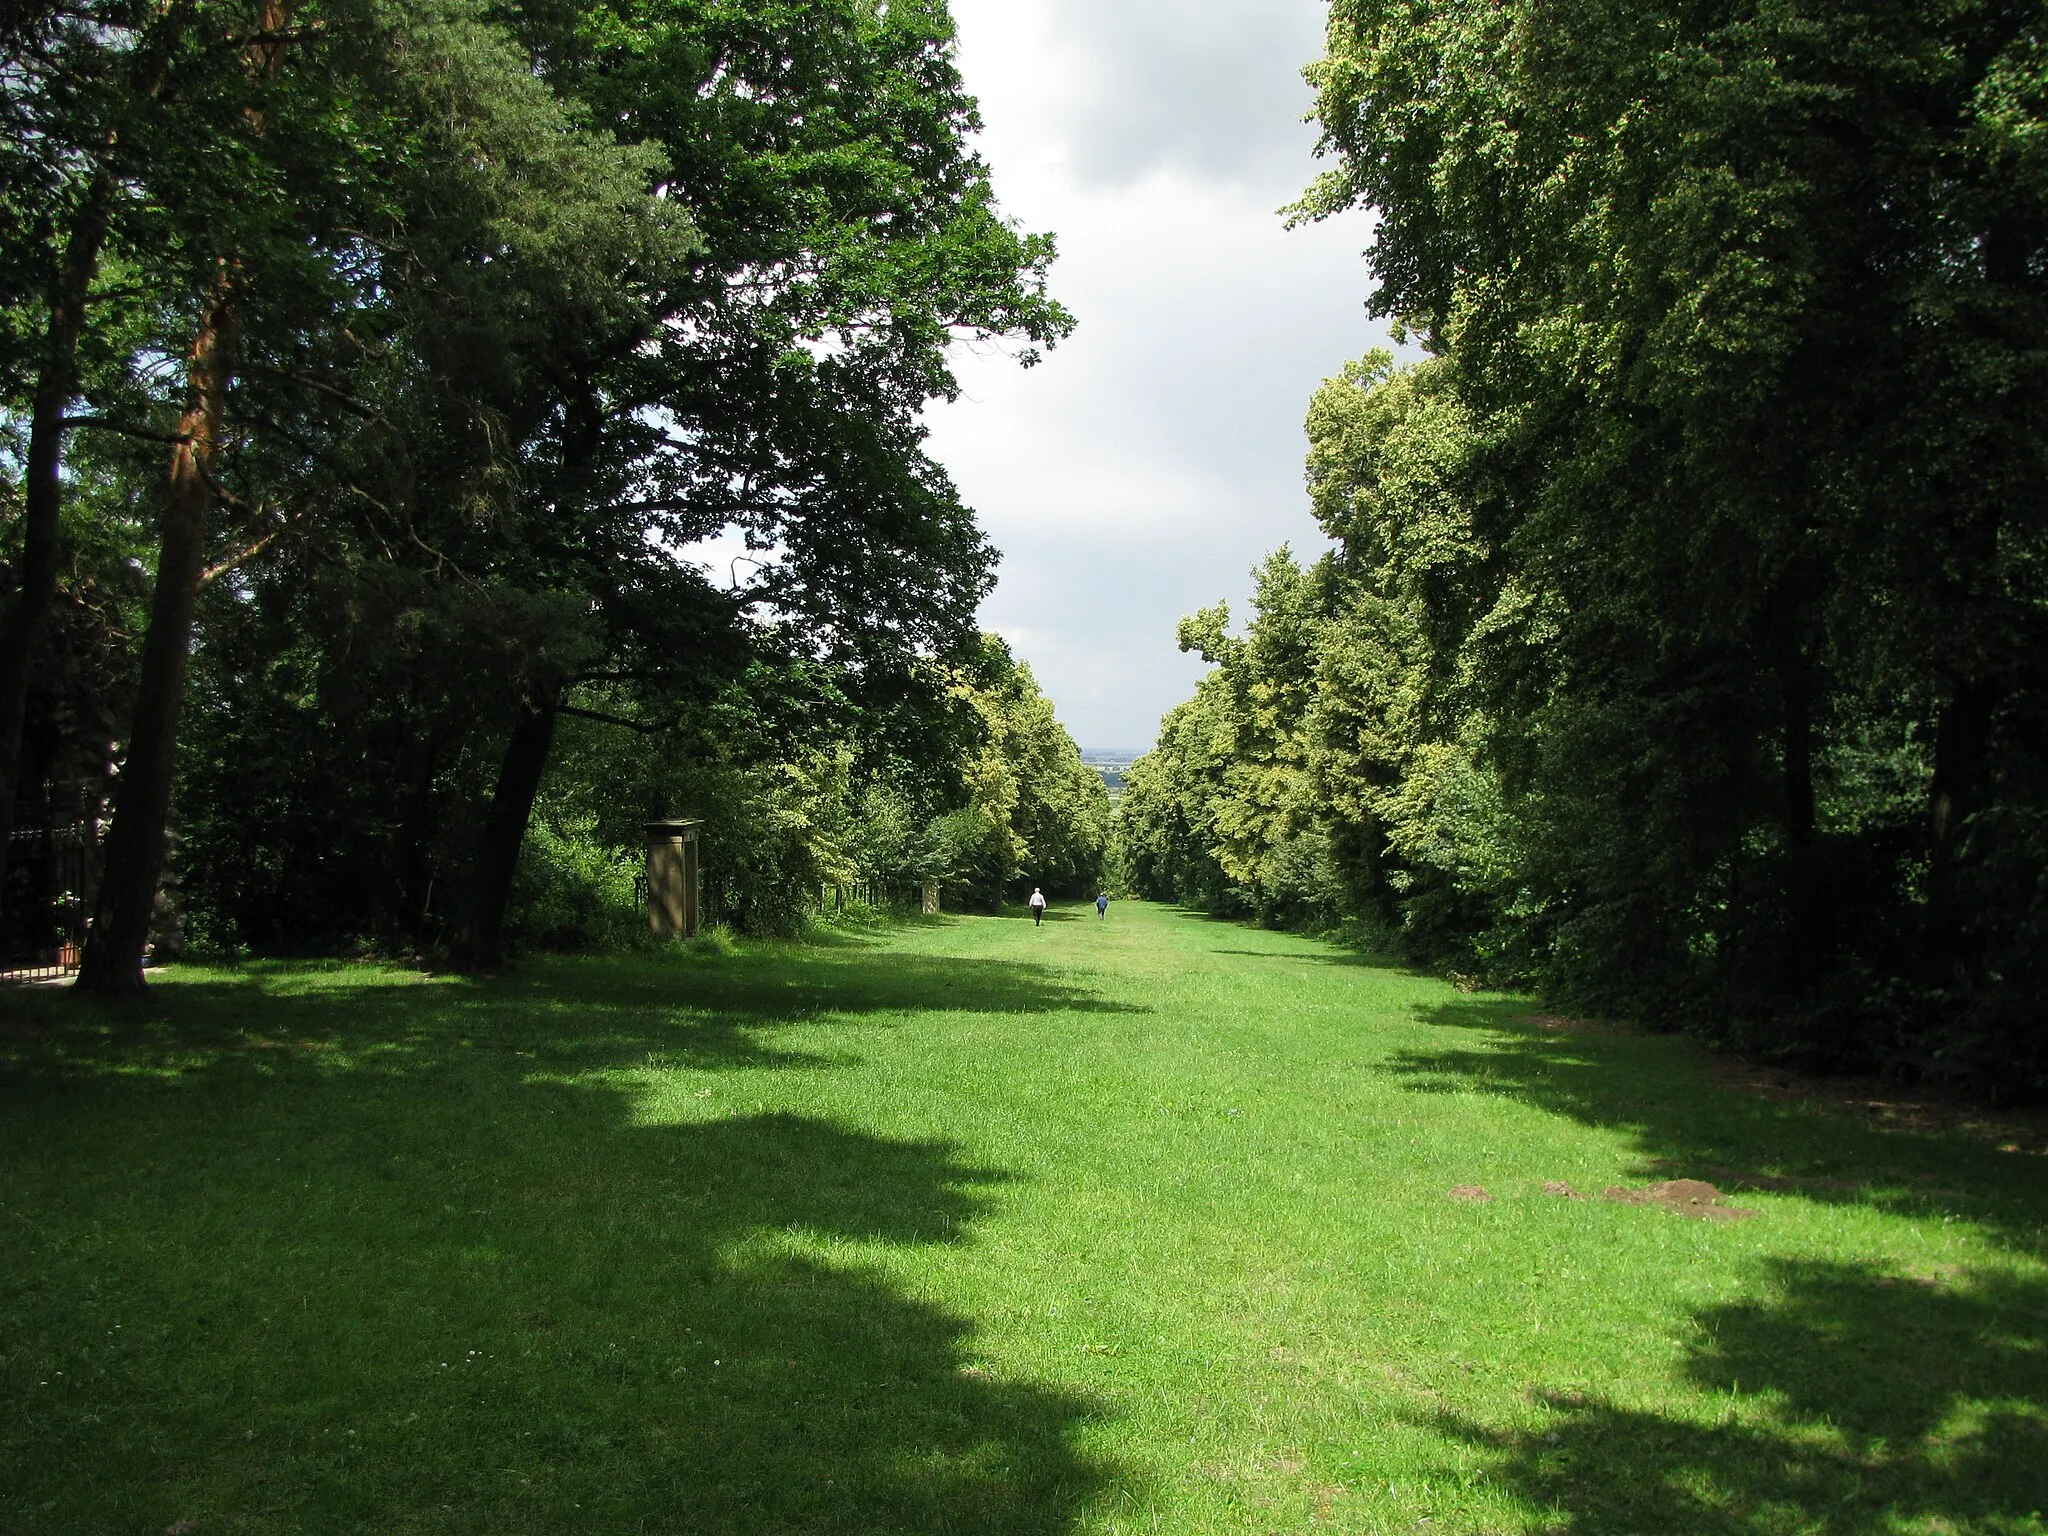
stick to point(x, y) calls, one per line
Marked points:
point(347, 401)
point(127, 429)
point(207, 576)
point(643, 727)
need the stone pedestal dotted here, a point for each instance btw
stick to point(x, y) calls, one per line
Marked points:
point(673, 910)
point(931, 898)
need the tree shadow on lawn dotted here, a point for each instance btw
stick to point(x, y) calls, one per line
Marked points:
point(689, 1010)
point(1326, 949)
point(260, 1279)
point(1358, 960)
point(1855, 1401)
point(799, 985)
point(1684, 1124)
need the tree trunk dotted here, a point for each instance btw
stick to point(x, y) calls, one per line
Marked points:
point(1809, 902)
point(43, 487)
point(142, 805)
point(1962, 741)
point(479, 937)
point(416, 835)
point(1785, 608)
point(134, 861)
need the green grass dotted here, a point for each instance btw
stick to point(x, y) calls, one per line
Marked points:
point(968, 1226)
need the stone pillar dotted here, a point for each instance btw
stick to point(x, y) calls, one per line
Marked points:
point(672, 879)
point(931, 898)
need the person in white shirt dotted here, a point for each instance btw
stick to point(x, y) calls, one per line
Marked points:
point(1037, 906)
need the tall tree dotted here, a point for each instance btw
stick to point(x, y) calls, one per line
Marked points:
point(382, 161)
point(850, 235)
point(82, 103)
point(1745, 309)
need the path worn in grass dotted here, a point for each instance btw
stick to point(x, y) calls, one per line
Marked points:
point(1137, 1226)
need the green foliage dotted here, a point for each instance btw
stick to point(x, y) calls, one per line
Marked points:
point(1682, 648)
point(778, 771)
point(572, 892)
point(527, 300)
point(1035, 814)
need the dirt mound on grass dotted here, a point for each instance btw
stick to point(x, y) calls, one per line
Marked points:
point(1683, 1197)
point(1775, 1183)
point(1471, 1192)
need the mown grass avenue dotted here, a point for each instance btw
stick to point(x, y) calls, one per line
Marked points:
point(966, 1226)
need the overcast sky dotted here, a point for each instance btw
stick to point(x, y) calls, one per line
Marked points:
point(1138, 472)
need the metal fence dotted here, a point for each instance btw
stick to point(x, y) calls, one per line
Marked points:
point(855, 893)
point(43, 903)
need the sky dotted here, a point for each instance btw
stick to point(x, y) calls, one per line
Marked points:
point(1142, 469)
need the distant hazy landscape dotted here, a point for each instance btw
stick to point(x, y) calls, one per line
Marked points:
point(1111, 763)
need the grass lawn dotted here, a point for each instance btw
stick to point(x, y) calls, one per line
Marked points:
point(966, 1226)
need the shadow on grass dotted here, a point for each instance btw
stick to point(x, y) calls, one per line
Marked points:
point(1328, 948)
point(1854, 1401)
point(1851, 1399)
point(251, 1286)
point(1684, 1124)
point(696, 1010)
point(1354, 959)
point(1058, 913)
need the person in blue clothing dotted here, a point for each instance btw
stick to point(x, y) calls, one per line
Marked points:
point(1102, 905)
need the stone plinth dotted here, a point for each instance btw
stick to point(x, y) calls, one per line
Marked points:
point(672, 879)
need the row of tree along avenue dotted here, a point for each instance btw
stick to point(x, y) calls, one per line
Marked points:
point(372, 368)
point(1683, 650)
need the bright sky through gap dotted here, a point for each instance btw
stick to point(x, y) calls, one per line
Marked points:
point(1139, 471)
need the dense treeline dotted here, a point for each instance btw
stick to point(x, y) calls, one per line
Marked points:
point(369, 373)
point(799, 787)
point(1684, 647)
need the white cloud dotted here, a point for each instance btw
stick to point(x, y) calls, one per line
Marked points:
point(1140, 471)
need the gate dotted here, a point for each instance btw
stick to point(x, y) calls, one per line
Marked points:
point(43, 905)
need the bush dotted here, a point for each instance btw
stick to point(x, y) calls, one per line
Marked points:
point(571, 892)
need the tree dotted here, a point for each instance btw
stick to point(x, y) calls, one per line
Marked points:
point(288, 270)
point(1033, 811)
point(850, 235)
point(1742, 313)
point(488, 320)
point(82, 111)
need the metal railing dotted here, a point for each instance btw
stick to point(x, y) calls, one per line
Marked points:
point(43, 905)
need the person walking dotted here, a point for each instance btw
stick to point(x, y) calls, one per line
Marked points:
point(1037, 906)
point(1102, 906)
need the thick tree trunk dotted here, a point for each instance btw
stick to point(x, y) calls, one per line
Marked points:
point(135, 844)
point(134, 862)
point(43, 487)
point(479, 937)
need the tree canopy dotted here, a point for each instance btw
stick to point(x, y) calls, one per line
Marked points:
point(1681, 651)
point(461, 327)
